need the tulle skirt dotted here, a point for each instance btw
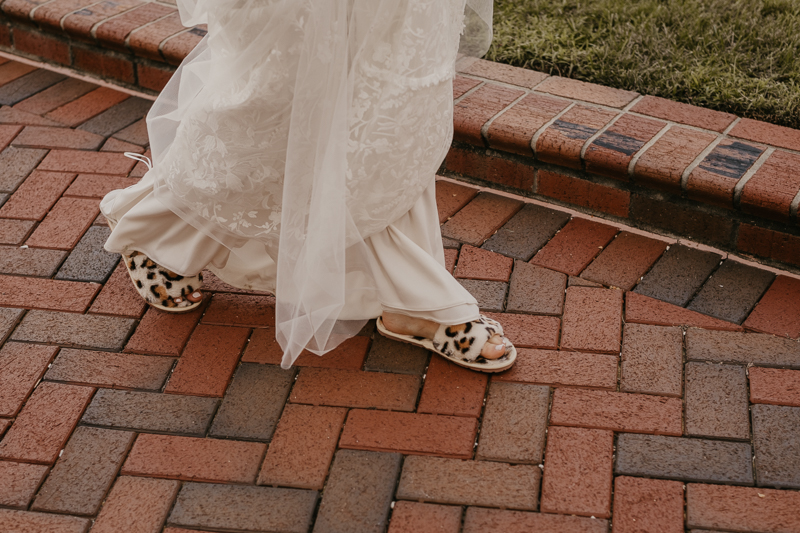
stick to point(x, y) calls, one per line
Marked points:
point(295, 131)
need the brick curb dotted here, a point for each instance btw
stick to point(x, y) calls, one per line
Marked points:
point(647, 162)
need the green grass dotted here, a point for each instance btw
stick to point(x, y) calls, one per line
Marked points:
point(738, 56)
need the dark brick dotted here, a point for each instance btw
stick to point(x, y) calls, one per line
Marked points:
point(611, 152)
point(30, 261)
point(28, 85)
point(624, 260)
point(736, 347)
point(118, 117)
point(490, 294)
point(206, 505)
point(709, 461)
point(732, 291)
point(74, 330)
point(562, 141)
point(82, 476)
point(776, 436)
point(714, 179)
point(16, 164)
point(716, 401)
point(514, 423)
point(652, 360)
point(663, 164)
point(483, 483)
point(677, 276)
point(253, 402)
point(172, 413)
point(536, 290)
point(89, 261)
point(527, 232)
point(688, 222)
point(358, 493)
point(111, 370)
point(387, 355)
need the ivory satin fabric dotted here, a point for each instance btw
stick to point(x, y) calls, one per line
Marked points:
point(295, 151)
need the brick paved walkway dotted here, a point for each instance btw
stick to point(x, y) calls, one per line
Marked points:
point(651, 373)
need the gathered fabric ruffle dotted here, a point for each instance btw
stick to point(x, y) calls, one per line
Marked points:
point(298, 128)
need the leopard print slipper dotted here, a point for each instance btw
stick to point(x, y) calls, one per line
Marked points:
point(462, 344)
point(160, 287)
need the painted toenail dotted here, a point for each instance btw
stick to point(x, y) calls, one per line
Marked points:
point(178, 300)
point(196, 295)
point(499, 347)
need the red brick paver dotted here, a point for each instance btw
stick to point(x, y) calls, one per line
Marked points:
point(125, 418)
point(190, 458)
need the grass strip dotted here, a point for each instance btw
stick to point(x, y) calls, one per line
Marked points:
point(738, 56)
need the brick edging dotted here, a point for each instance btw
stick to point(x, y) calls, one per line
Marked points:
point(730, 182)
point(648, 162)
point(136, 44)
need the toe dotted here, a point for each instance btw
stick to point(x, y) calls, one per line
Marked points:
point(494, 348)
point(195, 297)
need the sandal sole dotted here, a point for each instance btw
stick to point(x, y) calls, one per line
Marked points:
point(472, 366)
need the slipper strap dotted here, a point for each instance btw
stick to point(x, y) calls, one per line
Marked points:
point(465, 341)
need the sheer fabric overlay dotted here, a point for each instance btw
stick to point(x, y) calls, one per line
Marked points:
point(298, 128)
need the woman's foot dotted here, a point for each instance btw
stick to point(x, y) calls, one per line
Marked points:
point(494, 348)
point(161, 287)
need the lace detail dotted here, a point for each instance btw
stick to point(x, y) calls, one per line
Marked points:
point(306, 126)
point(227, 161)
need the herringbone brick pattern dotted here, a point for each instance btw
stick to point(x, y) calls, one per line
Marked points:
point(657, 387)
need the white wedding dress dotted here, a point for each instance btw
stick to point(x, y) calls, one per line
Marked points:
point(295, 151)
